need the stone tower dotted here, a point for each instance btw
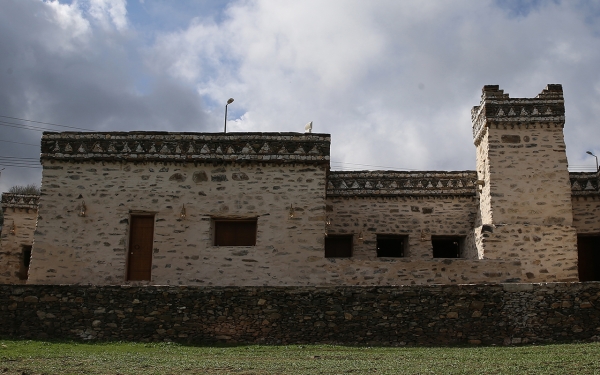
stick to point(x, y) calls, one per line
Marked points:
point(525, 209)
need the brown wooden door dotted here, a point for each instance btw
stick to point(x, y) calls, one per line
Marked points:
point(140, 248)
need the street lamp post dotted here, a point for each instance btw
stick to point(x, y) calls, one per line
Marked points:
point(590, 153)
point(228, 103)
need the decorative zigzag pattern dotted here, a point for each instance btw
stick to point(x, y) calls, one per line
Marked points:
point(496, 106)
point(387, 183)
point(10, 200)
point(584, 183)
point(261, 147)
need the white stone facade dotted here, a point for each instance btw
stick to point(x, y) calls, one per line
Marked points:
point(516, 218)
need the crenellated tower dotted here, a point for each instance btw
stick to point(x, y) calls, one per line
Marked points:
point(525, 209)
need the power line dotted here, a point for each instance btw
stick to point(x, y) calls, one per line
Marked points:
point(46, 123)
point(21, 126)
point(20, 165)
point(20, 143)
point(374, 166)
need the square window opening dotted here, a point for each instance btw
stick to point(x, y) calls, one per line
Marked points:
point(391, 246)
point(235, 232)
point(447, 246)
point(338, 246)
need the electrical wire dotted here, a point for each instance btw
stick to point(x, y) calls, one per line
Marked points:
point(46, 123)
point(342, 165)
point(20, 143)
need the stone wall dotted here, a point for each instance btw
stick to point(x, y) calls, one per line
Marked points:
point(416, 217)
point(93, 249)
point(501, 314)
point(585, 199)
point(209, 177)
point(517, 215)
point(20, 216)
point(525, 209)
point(419, 218)
point(586, 214)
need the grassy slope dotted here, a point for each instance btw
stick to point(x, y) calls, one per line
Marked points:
point(36, 357)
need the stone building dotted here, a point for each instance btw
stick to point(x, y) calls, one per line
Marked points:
point(20, 214)
point(265, 209)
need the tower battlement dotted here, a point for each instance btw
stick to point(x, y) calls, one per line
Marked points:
point(497, 108)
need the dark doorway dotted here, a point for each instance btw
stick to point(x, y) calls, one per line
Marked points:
point(25, 260)
point(391, 246)
point(141, 235)
point(337, 246)
point(446, 246)
point(588, 254)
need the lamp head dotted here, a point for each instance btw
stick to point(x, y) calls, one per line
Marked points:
point(230, 101)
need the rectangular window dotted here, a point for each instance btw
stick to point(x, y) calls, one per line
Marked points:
point(235, 232)
point(338, 246)
point(391, 246)
point(447, 246)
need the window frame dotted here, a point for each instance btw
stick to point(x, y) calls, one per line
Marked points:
point(217, 239)
point(388, 236)
point(330, 237)
point(459, 239)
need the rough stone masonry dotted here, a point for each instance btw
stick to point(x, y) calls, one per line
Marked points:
point(500, 314)
point(519, 217)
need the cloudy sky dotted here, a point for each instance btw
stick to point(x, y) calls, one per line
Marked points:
point(392, 81)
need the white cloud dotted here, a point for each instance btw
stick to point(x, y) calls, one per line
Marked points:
point(60, 65)
point(392, 81)
point(108, 12)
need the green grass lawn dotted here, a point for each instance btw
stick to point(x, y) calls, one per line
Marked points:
point(39, 357)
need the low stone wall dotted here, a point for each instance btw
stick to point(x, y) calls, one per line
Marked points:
point(501, 314)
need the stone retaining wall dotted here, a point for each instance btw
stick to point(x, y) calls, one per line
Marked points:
point(500, 314)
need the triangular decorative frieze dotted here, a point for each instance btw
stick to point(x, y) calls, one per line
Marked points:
point(138, 146)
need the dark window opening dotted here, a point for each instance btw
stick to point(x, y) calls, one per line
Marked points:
point(338, 246)
point(446, 247)
point(25, 261)
point(235, 232)
point(588, 258)
point(391, 246)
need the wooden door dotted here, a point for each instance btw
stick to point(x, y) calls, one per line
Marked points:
point(141, 235)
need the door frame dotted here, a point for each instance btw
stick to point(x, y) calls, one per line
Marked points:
point(133, 214)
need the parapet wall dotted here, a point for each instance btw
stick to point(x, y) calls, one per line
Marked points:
point(393, 184)
point(501, 314)
point(187, 147)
